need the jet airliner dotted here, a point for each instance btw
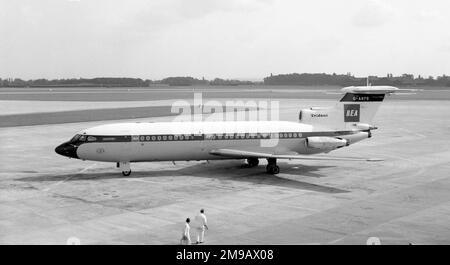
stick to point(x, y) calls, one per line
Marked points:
point(319, 130)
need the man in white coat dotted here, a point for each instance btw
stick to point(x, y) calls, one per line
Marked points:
point(201, 224)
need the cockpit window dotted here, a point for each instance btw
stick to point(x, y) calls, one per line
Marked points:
point(82, 138)
point(91, 139)
point(75, 138)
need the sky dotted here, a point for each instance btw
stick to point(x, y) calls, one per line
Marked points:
point(242, 39)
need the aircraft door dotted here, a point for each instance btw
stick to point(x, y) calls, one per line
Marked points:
point(135, 147)
point(201, 139)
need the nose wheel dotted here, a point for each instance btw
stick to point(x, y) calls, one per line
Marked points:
point(272, 167)
point(126, 173)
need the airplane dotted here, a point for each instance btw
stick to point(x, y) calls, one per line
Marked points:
point(319, 130)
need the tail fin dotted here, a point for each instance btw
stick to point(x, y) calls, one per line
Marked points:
point(360, 104)
point(356, 109)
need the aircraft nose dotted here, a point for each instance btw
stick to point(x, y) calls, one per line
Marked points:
point(67, 149)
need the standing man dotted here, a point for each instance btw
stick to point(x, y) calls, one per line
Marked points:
point(201, 223)
point(186, 236)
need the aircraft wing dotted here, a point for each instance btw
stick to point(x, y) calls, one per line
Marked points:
point(234, 153)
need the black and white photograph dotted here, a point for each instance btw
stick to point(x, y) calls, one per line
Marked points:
point(201, 123)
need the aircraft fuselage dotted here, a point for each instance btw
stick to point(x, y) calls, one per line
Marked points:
point(174, 141)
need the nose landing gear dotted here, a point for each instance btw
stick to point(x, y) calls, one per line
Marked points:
point(126, 173)
point(125, 167)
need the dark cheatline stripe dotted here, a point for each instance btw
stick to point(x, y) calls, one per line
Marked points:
point(360, 97)
point(203, 137)
point(119, 138)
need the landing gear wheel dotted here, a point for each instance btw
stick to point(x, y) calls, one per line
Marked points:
point(252, 162)
point(273, 169)
point(126, 173)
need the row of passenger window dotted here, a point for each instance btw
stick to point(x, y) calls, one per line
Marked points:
point(235, 136)
point(252, 136)
point(182, 137)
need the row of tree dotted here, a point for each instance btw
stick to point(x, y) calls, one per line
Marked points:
point(118, 82)
point(322, 79)
point(80, 82)
point(189, 81)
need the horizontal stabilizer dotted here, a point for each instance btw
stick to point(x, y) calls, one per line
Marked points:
point(376, 89)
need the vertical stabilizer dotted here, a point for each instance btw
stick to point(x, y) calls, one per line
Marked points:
point(355, 110)
point(360, 104)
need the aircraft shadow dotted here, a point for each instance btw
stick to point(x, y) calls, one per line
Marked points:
point(292, 176)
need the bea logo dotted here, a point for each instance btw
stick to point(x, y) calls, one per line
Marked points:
point(351, 112)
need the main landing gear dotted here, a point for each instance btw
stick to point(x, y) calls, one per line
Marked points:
point(252, 162)
point(272, 167)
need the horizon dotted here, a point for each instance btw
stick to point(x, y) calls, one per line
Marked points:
point(238, 79)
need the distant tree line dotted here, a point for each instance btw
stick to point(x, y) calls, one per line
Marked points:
point(322, 79)
point(73, 82)
point(182, 81)
point(118, 82)
point(295, 79)
point(227, 82)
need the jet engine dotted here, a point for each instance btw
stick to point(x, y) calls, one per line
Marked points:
point(325, 142)
point(353, 138)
